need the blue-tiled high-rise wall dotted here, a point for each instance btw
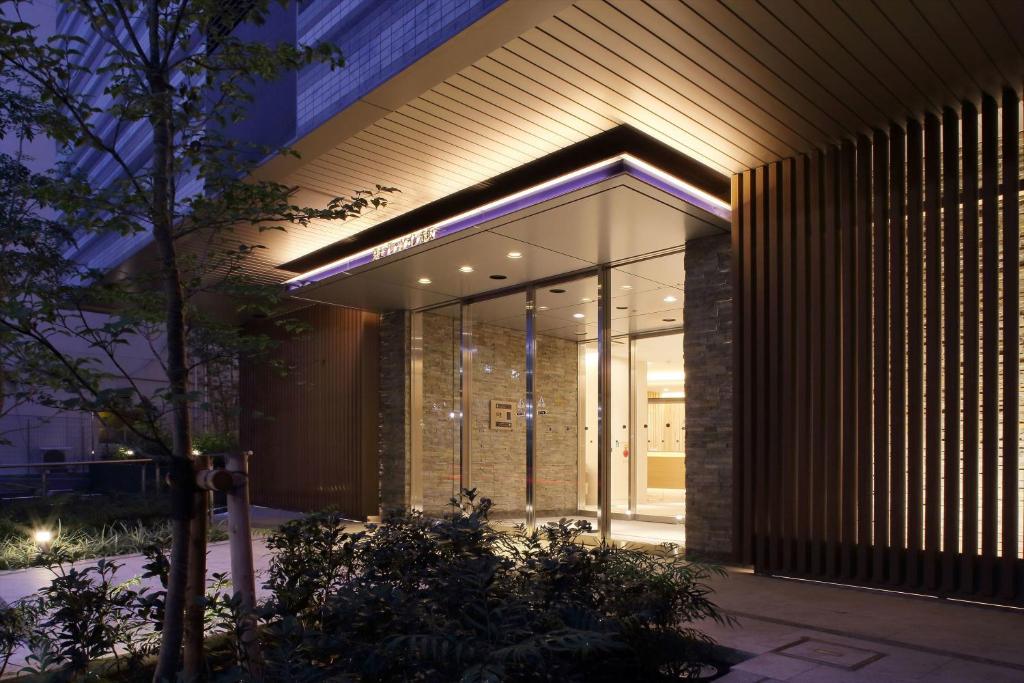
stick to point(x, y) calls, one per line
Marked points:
point(379, 38)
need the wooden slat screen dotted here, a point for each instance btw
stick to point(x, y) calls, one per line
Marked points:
point(313, 430)
point(878, 355)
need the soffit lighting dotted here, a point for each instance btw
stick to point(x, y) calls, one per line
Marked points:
point(670, 299)
point(542, 308)
point(585, 300)
point(578, 315)
point(424, 281)
point(627, 286)
point(499, 277)
point(466, 269)
point(557, 291)
point(514, 254)
point(568, 182)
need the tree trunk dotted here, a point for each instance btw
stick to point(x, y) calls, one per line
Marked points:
point(174, 604)
point(196, 588)
point(188, 553)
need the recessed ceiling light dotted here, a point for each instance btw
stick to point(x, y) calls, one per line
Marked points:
point(627, 286)
point(557, 291)
point(542, 308)
point(585, 300)
point(668, 320)
point(499, 277)
point(514, 254)
point(578, 315)
point(670, 299)
point(622, 308)
point(466, 269)
point(424, 281)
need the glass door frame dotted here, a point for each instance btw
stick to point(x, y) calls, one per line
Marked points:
point(604, 377)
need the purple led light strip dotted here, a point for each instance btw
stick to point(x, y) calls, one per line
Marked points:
point(616, 167)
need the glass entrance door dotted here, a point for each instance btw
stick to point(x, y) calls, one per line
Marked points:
point(564, 398)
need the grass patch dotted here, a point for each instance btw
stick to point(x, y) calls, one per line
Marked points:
point(84, 526)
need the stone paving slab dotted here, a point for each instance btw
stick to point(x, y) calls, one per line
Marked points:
point(914, 638)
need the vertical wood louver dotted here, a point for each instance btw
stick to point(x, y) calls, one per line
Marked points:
point(878, 357)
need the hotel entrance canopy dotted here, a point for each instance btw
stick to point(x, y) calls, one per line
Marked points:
point(608, 200)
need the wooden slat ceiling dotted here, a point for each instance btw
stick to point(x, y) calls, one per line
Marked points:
point(731, 83)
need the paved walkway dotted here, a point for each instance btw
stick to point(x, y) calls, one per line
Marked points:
point(810, 632)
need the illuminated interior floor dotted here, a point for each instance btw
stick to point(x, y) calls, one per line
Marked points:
point(628, 529)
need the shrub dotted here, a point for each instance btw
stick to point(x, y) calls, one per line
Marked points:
point(454, 599)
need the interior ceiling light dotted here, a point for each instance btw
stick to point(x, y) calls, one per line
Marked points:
point(514, 254)
point(466, 269)
point(670, 299)
point(668, 320)
point(585, 300)
point(542, 308)
point(622, 308)
point(557, 291)
point(578, 315)
point(499, 277)
point(627, 286)
point(424, 281)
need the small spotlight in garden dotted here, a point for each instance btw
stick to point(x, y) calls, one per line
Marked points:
point(42, 538)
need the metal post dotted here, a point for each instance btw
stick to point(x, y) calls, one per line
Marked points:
point(465, 397)
point(604, 403)
point(416, 412)
point(240, 539)
point(531, 420)
point(634, 484)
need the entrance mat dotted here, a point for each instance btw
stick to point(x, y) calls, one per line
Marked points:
point(830, 654)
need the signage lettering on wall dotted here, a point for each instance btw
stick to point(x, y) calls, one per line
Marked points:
point(501, 415)
point(402, 243)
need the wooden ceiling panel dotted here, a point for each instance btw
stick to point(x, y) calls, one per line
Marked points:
point(618, 99)
point(669, 59)
point(987, 29)
point(662, 91)
point(772, 78)
point(916, 30)
point(730, 83)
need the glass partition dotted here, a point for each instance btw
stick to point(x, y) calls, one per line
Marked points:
point(436, 407)
point(496, 424)
point(565, 464)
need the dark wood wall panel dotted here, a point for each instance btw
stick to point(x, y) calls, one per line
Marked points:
point(1009, 574)
point(878, 357)
point(313, 430)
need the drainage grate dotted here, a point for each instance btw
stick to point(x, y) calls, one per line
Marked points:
point(830, 654)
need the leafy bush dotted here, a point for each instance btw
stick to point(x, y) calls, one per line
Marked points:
point(214, 442)
point(456, 600)
point(87, 625)
point(411, 599)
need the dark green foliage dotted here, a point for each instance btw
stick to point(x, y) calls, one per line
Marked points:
point(456, 600)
